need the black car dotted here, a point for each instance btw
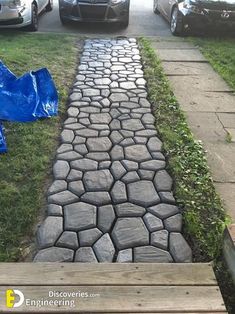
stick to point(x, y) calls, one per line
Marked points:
point(95, 11)
point(200, 14)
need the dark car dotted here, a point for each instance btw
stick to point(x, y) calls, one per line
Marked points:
point(200, 14)
point(95, 11)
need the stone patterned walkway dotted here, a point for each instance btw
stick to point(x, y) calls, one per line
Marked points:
point(111, 199)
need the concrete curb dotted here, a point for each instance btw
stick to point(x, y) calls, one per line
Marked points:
point(229, 249)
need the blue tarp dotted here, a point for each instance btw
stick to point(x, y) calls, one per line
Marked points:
point(27, 98)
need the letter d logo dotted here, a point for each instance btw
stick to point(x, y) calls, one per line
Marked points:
point(11, 296)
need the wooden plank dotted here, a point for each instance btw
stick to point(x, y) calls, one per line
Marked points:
point(121, 299)
point(106, 274)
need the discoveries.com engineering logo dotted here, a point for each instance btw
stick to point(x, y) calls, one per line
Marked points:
point(14, 298)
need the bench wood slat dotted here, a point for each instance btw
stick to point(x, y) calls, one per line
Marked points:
point(106, 274)
point(121, 299)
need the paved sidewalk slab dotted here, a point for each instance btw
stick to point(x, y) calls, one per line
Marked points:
point(190, 68)
point(173, 44)
point(177, 54)
point(195, 101)
point(227, 190)
point(210, 83)
point(209, 105)
point(112, 197)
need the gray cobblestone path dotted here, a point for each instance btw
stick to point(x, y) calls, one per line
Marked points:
point(111, 199)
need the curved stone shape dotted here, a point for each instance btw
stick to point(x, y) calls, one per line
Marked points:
point(74, 175)
point(49, 231)
point(118, 192)
point(85, 255)
point(179, 248)
point(79, 216)
point(167, 197)
point(61, 169)
point(104, 249)
point(99, 180)
point(84, 164)
point(76, 187)
point(54, 254)
point(163, 181)
point(153, 165)
point(89, 237)
point(174, 223)
point(154, 144)
point(151, 254)
point(137, 153)
point(100, 118)
point(143, 193)
point(96, 198)
point(164, 211)
point(67, 136)
point(68, 239)
point(160, 239)
point(129, 210)
point(106, 217)
point(117, 170)
point(57, 186)
point(132, 125)
point(125, 256)
point(99, 144)
point(63, 198)
point(130, 232)
point(54, 210)
point(152, 222)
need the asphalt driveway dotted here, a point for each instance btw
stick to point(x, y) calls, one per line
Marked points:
point(143, 22)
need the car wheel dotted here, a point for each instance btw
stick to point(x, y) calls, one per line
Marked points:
point(49, 6)
point(176, 23)
point(155, 7)
point(33, 27)
point(63, 20)
point(125, 23)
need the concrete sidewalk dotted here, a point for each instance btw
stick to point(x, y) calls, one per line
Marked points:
point(209, 105)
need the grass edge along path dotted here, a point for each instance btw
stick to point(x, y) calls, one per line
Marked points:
point(203, 213)
point(25, 170)
point(220, 52)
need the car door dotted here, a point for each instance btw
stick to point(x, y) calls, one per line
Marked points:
point(168, 7)
point(161, 5)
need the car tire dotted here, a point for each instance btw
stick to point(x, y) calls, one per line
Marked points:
point(125, 23)
point(49, 6)
point(176, 23)
point(155, 7)
point(63, 20)
point(33, 27)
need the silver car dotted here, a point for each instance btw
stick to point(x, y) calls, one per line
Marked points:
point(21, 13)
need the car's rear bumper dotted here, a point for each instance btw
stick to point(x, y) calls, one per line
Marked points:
point(86, 12)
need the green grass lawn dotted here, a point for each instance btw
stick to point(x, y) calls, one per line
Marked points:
point(25, 169)
point(221, 55)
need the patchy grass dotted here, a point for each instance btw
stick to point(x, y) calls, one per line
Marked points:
point(221, 55)
point(204, 216)
point(26, 167)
